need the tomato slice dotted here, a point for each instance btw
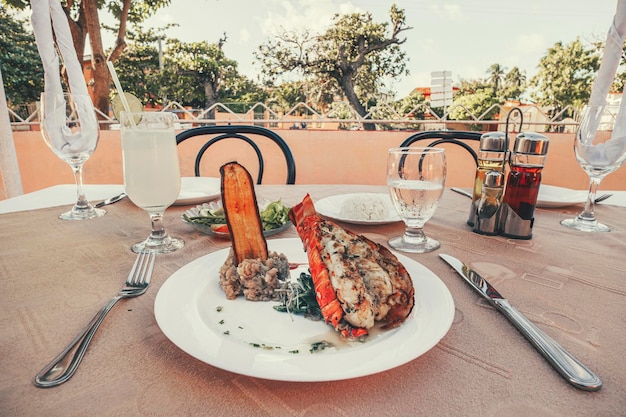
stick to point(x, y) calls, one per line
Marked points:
point(220, 228)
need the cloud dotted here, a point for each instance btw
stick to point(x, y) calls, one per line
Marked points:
point(449, 11)
point(313, 15)
point(244, 35)
point(530, 43)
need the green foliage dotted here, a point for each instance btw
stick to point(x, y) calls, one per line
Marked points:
point(138, 67)
point(22, 71)
point(514, 85)
point(496, 75)
point(139, 10)
point(565, 76)
point(197, 73)
point(474, 97)
point(412, 106)
point(352, 56)
point(286, 95)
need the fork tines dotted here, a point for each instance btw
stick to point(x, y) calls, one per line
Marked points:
point(142, 268)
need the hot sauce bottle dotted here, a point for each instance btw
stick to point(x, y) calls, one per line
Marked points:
point(522, 185)
point(491, 157)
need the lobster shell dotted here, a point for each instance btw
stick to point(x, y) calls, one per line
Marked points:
point(399, 303)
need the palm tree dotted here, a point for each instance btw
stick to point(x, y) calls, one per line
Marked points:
point(496, 75)
point(515, 78)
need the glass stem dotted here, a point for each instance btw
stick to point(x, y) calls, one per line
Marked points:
point(414, 235)
point(158, 230)
point(81, 200)
point(588, 212)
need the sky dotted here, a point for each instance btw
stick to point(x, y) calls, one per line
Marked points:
point(462, 36)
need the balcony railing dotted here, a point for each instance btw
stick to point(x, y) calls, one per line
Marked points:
point(342, 116)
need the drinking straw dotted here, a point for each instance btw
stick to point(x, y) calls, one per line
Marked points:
point(120, 91)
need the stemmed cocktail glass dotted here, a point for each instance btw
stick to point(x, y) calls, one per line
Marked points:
point(70, 128)
point(151, 172)
point(600, 148)
point(416, 179)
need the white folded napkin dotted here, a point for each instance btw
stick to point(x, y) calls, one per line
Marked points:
point(48, 18)
point(50, 24)
point(604, 154)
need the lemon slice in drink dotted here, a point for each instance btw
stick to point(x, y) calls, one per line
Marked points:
point(133, 103)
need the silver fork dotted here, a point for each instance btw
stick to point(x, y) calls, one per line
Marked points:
point(65, 364)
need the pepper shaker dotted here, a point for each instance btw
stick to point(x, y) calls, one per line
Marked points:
point(522, 186)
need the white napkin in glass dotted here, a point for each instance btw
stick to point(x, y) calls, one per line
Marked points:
point(604, 154)
point(50, 23)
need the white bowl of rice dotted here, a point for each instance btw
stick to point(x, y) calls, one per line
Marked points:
point(359, 208)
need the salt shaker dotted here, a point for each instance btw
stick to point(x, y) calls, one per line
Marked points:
point(522, 186)
point(487, 219)
point(491, 157)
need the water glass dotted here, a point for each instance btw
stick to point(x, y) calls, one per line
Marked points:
point(416, 178)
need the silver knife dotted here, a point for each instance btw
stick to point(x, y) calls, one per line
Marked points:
point(564, 362)
point(111, 200)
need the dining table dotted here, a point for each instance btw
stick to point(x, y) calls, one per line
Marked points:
point(55, 275)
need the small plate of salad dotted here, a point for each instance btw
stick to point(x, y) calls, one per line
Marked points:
point(209, 218)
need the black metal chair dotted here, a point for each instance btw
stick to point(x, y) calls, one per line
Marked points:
point(446, 136)
point(241, 132)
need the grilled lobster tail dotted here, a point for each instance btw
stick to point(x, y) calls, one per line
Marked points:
point(356, 280)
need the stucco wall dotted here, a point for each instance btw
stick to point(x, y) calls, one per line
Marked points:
point(322, 157)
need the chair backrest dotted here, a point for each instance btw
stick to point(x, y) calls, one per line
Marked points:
point(446, 136)
point(243, 133)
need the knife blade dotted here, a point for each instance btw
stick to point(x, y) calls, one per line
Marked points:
point(111, 200)
point(564, 362)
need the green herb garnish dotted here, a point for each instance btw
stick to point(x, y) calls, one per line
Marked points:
point(274, 216)
point(319, 346)
point(299, 298)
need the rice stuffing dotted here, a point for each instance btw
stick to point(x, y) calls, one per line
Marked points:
point(364, 207)
point(256, 280)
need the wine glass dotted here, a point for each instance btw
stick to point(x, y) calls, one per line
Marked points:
point(600, 148)
point(416, 178)
point(70, 128)
point(151, 172)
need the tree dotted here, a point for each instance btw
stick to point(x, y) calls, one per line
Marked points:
point(496, 75)
point(354, 54)
point(476, 97)
point(194, 74)
point(138, 67)
point(83, 19)
point(201, 65)
point(286, 95)
point(22, 71)
point(565, 76)
point(514, 84)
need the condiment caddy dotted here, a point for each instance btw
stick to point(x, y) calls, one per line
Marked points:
point(502, 207)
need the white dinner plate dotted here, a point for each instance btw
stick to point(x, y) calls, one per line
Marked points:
point(331, 207)
point(553, 196)
point(196, 190)
point(251, 338)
